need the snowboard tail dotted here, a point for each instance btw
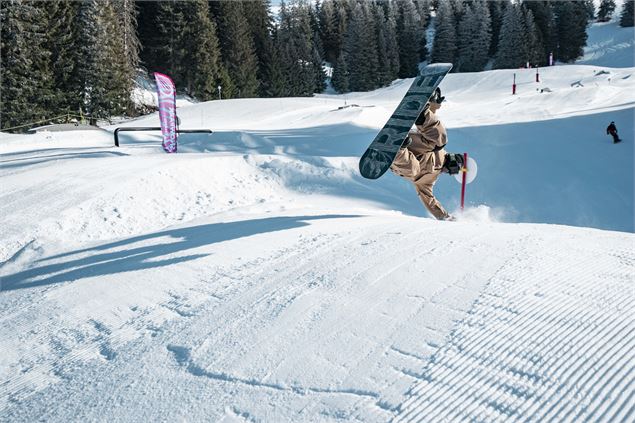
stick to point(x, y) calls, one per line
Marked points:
point(384, 148)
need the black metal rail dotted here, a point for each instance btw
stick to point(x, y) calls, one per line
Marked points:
point(149, 128)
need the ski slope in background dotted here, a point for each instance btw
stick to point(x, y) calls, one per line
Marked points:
point(255, 276)
point(608, 44)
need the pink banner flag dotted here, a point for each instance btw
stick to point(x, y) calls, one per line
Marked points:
point(167, 111)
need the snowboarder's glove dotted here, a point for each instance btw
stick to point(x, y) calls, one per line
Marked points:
point(437, 97)
point(453, 163)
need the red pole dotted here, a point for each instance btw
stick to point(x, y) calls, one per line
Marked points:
point(514, 85)
point(463, 182)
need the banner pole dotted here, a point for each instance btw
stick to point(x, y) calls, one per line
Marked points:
point(463, 182)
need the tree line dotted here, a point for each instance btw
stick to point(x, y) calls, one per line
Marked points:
point(83, 57)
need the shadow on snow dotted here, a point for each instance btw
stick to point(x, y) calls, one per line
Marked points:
point(127, 257)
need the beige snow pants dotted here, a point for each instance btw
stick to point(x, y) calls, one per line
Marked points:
point(423, 172)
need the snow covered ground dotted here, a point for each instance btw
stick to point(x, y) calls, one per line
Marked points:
point(608, 44)
point(255, 276)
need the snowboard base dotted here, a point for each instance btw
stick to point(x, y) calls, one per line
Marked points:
point(377, 159)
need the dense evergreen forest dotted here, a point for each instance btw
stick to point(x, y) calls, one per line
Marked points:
point(71, 57)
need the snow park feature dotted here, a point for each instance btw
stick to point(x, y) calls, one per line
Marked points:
point(257, 276)
point(166, 103)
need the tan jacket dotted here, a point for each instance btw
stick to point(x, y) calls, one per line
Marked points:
point(422, 161)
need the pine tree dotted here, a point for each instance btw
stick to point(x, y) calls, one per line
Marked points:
point(342, 12)
point(444, 47)
point(275, 84)
point(270, 70)
point(201, 71)
point(534, 49)
point(147, 32)
point(605, 12)
point(571, 21)
point(285, 53)
point(383, 66)
point(340, 79)
point(589, 7)
point(474, 37)
point(187, 49)
point(128, 44)
point(170, 49)
point(409, 33)
point(458, 9)
point(361, 50)
point(626, 18)
point(24, 65)
point(228, 89)
point(127, 20)
point(545, 22)
point(319, 74)
point(607, 7)
point(260, 22)
point(387, 45)
point(331, 39)
point(106, 84)
point(423, 10)
point(298, 49)
point(238, 50)
point(61, 42)
point(496, 12)
point(512, 42)
point(93, 38)
point(317, 51)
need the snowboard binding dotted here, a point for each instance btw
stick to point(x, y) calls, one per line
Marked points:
point(453, 163)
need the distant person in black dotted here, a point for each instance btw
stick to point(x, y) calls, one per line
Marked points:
point(612, 129)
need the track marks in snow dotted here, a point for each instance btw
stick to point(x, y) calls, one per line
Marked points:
point(182, 355)
point(340, 321)
point(103, 340)
point(54, 357)
point(550, 339)
point(313, 327)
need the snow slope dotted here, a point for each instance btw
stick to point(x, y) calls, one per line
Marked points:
point(255, 276)
point(608, 44)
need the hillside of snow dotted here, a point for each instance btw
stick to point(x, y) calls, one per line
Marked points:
point(255, 276)
point(608, 44)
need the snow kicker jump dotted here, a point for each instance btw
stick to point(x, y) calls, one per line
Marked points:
point(382, 151)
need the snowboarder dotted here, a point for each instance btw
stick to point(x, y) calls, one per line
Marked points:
point(612, 130)
point(423, 158)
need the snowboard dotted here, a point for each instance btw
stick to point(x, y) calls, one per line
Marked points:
point(384, 148)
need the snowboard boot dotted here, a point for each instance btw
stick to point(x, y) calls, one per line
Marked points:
point(407, 142)
point(453, 163)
